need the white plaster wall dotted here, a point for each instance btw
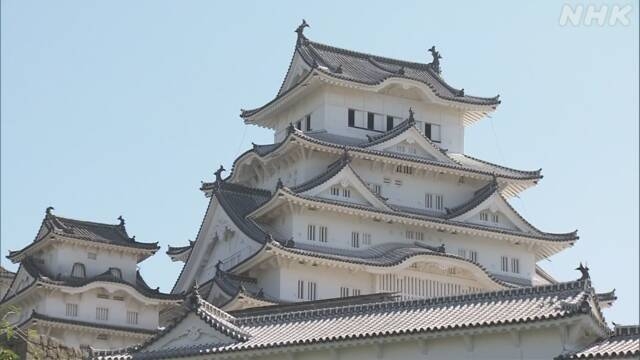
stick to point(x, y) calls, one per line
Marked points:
point(231, 250)
point(61, 257)
point(414, 187)
point(298, 172)
point(77, 338)
point(340, 227)
point(55, 305)
point(338, 100)
point(328, 281)
point(311, 104)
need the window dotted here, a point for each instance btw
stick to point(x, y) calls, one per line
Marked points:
point(323, 234)
point(102, 314)
point(102, 337)
point(462, 253)
point(355, 239)
point(505, 264)
point(495, 218)
point(352, 118)
point(389, 123)
point(311, 232)
point(370, 121)
point(375, 188)
point(115, 272)
point(400, 148)
point(300, 289)
point(398, 182)
point(72, 310)
point(439, 202)
point(346, 193)
point(118, 298)
point(484, 216)
point(515, 266)
point(308, 122)
point(132, 317)
point(92, 256)
point(432, 131)
point(404, 169)
point(344, 291)
point(366, 239)
point(428, 201)
point(78, 270)
point(419, 235)
point(335, 191)
point(386, 180)
point(311, 291)
point(102, 296)
point(473, 255)
point(299, 124)
point(356, 292)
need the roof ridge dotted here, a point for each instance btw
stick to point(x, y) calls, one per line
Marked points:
point(410, 304)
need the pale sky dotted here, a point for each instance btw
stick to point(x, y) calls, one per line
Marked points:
point(121, 108)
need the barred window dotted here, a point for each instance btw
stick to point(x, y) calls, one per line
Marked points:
point(355, 239)
point(311, 232)
point(72, 310)
point(515, 266)
point(346, 193)
point(439, 202)
point(428, 201)
point(323, 234)
point(473, 255)
point(132, 317)
point(311, 291)
point(366, 239)
point(335, 191)
point(505, 264)
point(300, 289)
point(117, 273)
point(102, 314)
point(495, 218)
point(484, 216)
point(356, 292)
point(344, 291)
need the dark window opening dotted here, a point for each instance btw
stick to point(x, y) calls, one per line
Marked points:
point(389, 123)
point(370, 121)
point(308, 120)
point(352, 118)
point(427, 130)
point(299, 125)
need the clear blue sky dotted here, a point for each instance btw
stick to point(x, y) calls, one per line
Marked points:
point(121, 108)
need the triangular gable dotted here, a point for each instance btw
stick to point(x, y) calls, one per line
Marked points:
point(203, 324)
point(21, 280)
point(495, 204)
point(410, 142)
point(298, 69)
point(347, 186)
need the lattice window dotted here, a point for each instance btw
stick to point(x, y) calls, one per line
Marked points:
point(78, 270)
point(132, 317)
point(311, 232)
point(505, 263)
point(71, 310)
point(355, 239)
point(311, 291)
point(102, 314)
point(300, 289)
point(323, 234)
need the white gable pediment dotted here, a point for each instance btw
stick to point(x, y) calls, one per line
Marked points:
point(297, 71)
point(190, 332)
point(413, 143)
point(499, 214)
point(347, 186)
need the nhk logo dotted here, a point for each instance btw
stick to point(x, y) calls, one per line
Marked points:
point(589, 15)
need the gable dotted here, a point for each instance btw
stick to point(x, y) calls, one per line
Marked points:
point(297, 71)
point(506, 216)
point(191, 331)
point(412, 142)
point(21, 280)
point(347, 186)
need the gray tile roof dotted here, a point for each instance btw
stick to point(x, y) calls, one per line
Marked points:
point(572, 236)
point(459, 162)
point(371, 70)
point(624, 343)
point(112, 234)
point(388, 254)
point(234, 285)
point(338, 323)
point(176, 250)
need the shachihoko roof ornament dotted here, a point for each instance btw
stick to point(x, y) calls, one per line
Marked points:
point(218, 174)
point(584, 270)
point(435, 63)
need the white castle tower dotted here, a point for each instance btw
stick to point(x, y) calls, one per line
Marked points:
point(78, 284)
point(365, 190)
